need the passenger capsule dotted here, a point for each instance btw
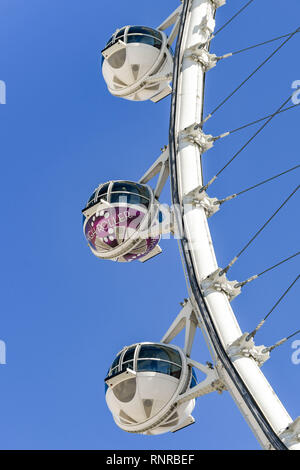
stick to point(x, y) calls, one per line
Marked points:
point(137, 64)
point(143, 388)
point(117, 222)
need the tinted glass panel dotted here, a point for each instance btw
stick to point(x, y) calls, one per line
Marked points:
point(120, 33)
point(131, 188)
point(127, 365)
point(160, 352)
point(129, 198)
point(109, 41)
point(128, 356)
point(144, 39)
point(91, 200)
point(102, 192)
point(152, 365)
point(114, 371)
point(116, 361)
point(144, 30)
point(114, 38)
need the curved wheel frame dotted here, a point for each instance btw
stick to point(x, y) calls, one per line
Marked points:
point(245, 381)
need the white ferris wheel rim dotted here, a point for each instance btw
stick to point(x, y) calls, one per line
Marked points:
point(249, 388)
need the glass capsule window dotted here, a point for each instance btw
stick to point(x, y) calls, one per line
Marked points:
point(142, 34)
point(123, 192)
point(137, 34)
point(159, 359)
point(129, 192)
point(145, 30)
point(98, 194)
point(102, 193)
point(116, 37)
point(120, 34)
point(91, 201)
point(143, 39)
point(129, 355)
point(159, 352)
point(148, 358)
point(127, 361)
point(154, 365)
point(115, 366)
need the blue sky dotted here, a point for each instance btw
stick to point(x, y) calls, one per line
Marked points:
point(65, 314)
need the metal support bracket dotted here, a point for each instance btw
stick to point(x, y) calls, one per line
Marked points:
point(185, 319)
point(211, 383)
point(188, 319)
point(200, 55)
point(161, 167)
point(173, 19)
point(243, 348)
point(195, 135)
point(219, 283)
point(197, 197)
point(291, 435)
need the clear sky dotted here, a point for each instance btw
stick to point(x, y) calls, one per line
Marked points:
point(65, 314)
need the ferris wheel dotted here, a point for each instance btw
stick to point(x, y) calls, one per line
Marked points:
point(151, 387)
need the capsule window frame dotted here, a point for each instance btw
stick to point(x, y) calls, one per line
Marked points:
point(176, 367)
point(128, 202)
point(120, 366)
point(157, 43)
point(93, 202)
point(125, 32)
point(161, 347)
point(153, 32)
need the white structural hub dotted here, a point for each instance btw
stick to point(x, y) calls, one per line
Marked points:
point(197, 30)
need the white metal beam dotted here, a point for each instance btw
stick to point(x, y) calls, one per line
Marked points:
point(161, 167)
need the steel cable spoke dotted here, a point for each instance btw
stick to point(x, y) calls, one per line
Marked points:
point(253, 333)
point(225, 270)
point(232, 18)
point(253, 73)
